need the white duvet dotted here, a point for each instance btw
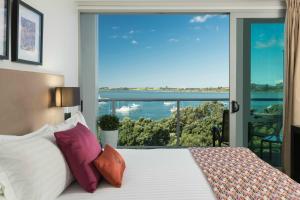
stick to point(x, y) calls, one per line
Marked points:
point(157, 174)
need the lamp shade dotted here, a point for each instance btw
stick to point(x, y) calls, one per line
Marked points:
point(67, 96)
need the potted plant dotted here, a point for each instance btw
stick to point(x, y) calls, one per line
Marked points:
point(109, 133)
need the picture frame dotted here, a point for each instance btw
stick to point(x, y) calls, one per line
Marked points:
point(4, 29)
point(27, 34)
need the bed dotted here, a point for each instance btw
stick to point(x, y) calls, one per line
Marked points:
point(154, 174)
point(196, 173)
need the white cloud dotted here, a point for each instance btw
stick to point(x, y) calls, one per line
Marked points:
point(201, 18)
point(266, 44)
point(204, 18)
point(198, 39)
point(134, 42)
point(125, 37)
point(173, 40)
point(152, 30)
point(115, 27)
point(131, 32)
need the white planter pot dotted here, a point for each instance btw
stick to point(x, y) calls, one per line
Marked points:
point(110, 137)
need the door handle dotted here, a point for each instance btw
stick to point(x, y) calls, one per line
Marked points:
point(235, 106)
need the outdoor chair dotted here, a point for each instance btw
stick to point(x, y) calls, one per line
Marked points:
point(220, 132)
point(256, 129)
point(271, 139)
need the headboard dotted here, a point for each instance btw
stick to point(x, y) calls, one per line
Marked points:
point(25, 101)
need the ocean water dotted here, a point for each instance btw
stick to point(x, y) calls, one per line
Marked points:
point(158, 110)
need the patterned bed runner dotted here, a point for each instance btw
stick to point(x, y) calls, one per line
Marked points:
point(237, 173)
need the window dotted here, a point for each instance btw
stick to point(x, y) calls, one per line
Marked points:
point(155, 72)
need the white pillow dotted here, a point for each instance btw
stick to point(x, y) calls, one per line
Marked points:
point(71, 122)
point(6, 190)
point(40, 132)
point(77, 117)
point(35, 169)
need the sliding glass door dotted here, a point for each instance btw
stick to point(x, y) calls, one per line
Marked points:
point(263, 84)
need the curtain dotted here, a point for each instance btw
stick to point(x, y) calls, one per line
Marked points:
point(292, 78)
point(88, 67)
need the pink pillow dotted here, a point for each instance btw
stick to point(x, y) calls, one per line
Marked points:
point(80, 148)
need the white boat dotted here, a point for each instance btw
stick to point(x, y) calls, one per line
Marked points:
point(169, 103)
point(127, 109)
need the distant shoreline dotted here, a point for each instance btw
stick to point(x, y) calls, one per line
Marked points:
point(202, 90)
point(254, 88)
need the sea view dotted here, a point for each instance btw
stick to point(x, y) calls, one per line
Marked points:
point(159, 110)
point(181, 57)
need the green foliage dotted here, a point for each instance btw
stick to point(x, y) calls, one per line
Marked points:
point(274, 109)
point(108, 122)
point(270, 124)
point(198, 123)
point(267, 88)
point(143, 132)
point(195, 125)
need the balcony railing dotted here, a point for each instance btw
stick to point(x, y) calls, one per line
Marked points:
point(177, 104)
point(177, 100)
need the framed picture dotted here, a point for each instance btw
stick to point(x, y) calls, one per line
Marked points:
point(27, 34)
point(4, 28)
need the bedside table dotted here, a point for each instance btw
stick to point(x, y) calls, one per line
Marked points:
point(295, 153)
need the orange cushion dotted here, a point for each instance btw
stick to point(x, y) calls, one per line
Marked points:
point(111, 166)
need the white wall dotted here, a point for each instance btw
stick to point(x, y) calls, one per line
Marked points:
point(60, 40)
point(178, 5)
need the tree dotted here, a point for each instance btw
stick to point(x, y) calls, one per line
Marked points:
point(195, 125)
point(143, 132)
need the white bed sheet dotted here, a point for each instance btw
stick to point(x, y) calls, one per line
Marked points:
point(156, 174)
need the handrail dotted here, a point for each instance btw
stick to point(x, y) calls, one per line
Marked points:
point(266, 99)
point(181, 99)
point(162, 99)
point(177, 100)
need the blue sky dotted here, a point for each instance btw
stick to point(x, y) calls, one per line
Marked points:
point(174, 50)
point(267, 45)
point(164, 50)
